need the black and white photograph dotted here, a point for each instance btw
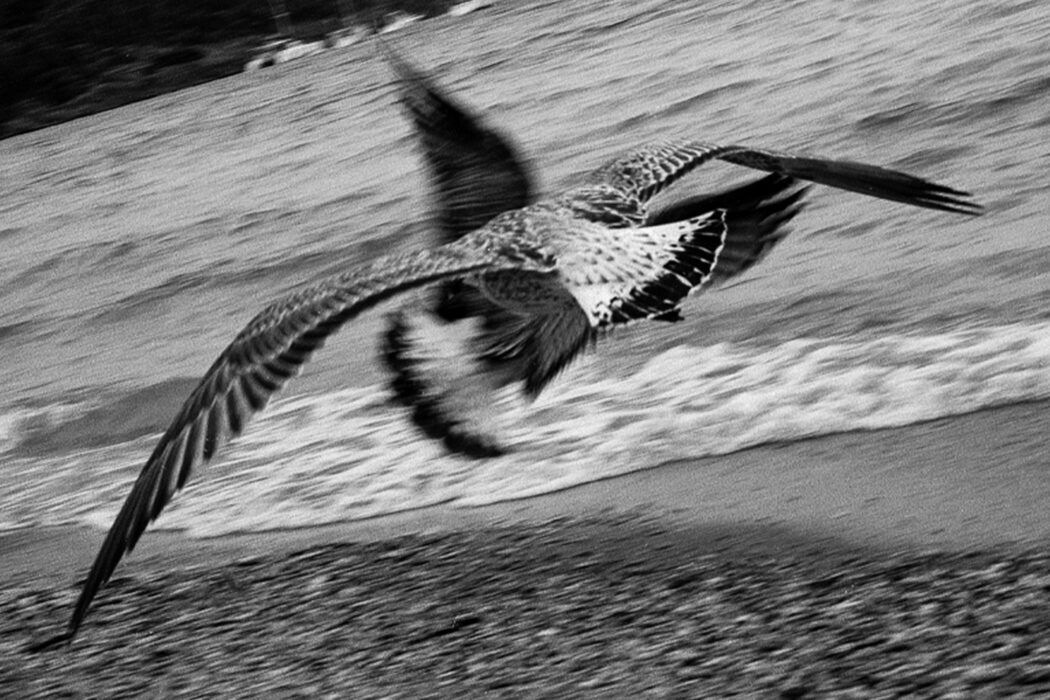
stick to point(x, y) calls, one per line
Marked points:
point(524, 349)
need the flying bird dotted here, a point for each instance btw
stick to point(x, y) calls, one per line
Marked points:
point(448, 360)
point(533, 282)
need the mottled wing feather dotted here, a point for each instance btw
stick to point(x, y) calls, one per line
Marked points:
point(617, 193)
point(262, 358)
point(477, 172)
point(643, 172)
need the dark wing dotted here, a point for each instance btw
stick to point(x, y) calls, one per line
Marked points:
point(436, 375)
point(855, 177)
point(543, 343)
point(269, 351)
point(448, 373)
point(477, 173)
point(757, 215)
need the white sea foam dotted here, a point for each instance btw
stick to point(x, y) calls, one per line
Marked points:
point(350, 454)
point(16, 424)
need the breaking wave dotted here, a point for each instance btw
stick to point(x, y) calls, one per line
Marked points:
point(350, 454)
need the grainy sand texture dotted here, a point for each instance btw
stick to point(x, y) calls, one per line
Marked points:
point(907, 562)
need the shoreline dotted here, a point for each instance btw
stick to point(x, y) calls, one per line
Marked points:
point(969, 482)
point(904, 561)
point(597, 608)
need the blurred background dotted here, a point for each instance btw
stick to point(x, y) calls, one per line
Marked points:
point(137, 241)
point(62, 60)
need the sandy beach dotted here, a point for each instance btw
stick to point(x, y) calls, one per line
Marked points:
point(906, 561)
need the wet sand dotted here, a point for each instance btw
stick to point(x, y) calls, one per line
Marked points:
point(907, 561)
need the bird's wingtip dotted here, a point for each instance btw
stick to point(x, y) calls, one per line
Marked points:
point(63, 639)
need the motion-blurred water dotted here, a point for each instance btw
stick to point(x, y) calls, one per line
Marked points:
point(136, 243)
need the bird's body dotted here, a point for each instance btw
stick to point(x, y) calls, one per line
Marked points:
point(529, 282)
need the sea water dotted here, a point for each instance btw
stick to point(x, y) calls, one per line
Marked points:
point(137, 242)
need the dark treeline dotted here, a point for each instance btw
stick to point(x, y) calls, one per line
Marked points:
point(61, 59)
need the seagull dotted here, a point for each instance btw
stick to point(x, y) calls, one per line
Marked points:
point(449, 361)
point(537, 279)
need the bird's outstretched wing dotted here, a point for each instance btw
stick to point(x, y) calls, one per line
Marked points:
point(268, 352)
point(477, 172)
point(849, 175)
point(618, 193)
